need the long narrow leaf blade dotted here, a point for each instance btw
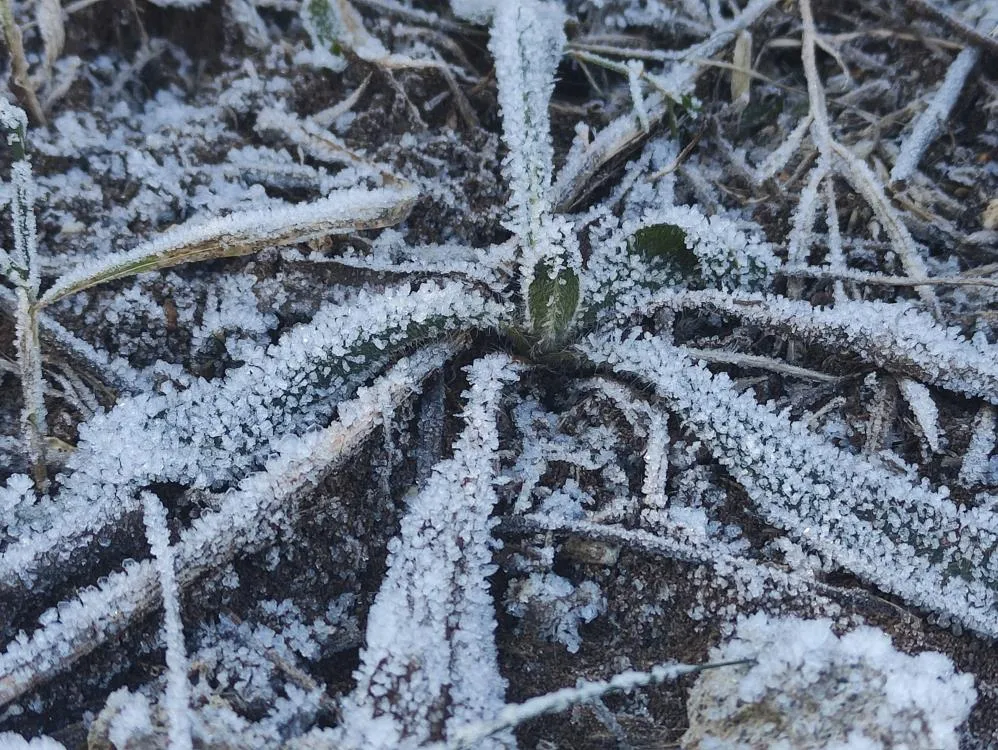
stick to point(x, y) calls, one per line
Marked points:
point(430, 662)
point(215, 432)
point(895, 336)
point(244, 522)
point(244, 233)
point(903, 536)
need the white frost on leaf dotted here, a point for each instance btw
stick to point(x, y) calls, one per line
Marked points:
point(556, 605)
point(983, 440)
point(430, 661)
point(232, 314)
point(802, 234)
point(930, 122)
point(653, 425)
point(246, 520)
point(526, 44)
point(727, 256)
point(18, 492)
point(905, 537)
point(896, 336)
point(11, 741)
point(242, 233)
point(476, 11)
point(216, 431)
point(128, 717)
point(781, 155)
point(924, 408)
point(177, 699)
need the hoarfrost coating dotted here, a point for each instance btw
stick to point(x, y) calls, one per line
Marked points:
point(807, 687)
point(441, 388)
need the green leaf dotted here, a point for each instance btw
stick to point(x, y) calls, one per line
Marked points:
point(335, 26)
point(666, 242)
point(552, 302)
point(325, 24)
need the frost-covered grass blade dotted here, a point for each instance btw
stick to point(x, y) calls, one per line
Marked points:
point(214, 432)
point(243, 233)
point(21, 268)
point(885, 528)
point(243, 523)
point(430, 663)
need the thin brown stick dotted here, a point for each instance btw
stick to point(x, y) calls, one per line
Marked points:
point(754, 361)
point(19, 63)
point(874, 278)
point(852, 168)
point(986, 43)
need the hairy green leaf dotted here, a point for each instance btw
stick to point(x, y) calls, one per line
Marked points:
point(552, 301)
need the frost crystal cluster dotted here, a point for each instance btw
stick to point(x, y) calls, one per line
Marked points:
point(808, 687)
point(393, 374)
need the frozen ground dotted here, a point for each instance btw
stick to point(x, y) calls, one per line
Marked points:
point(490, 349)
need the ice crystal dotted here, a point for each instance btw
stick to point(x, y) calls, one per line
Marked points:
point(658, 435)
point(906, 537)
point(924, 409)
point(177, 698)
point(557, 605)
point(16, 742)
point(807, 687)
point(216, 431)
point(430, 661)
point(929, 123)
point(982, 443)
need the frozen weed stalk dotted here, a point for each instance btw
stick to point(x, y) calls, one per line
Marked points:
point(20, 268)
point(612, 419)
